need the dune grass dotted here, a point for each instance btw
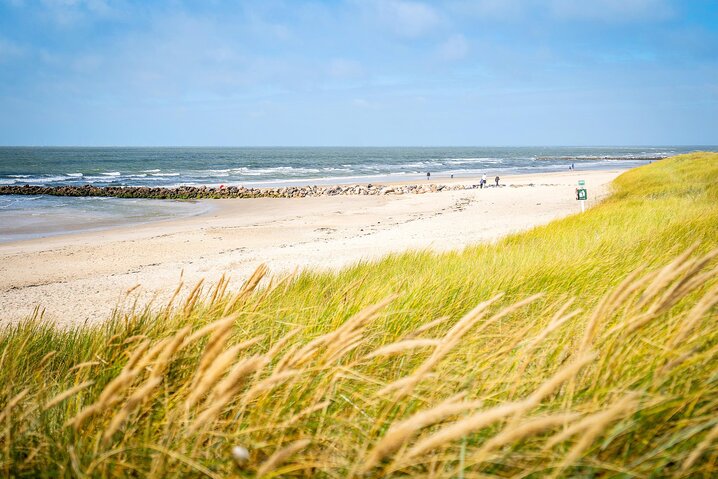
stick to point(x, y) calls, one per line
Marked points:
point(584, 348)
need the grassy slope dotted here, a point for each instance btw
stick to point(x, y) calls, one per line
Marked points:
point(650, 398)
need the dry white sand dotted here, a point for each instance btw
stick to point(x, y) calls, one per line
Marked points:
point(82, 277)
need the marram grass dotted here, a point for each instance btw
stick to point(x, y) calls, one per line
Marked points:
point(584, 348)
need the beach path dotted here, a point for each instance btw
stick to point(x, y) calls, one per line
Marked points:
point(81, 278)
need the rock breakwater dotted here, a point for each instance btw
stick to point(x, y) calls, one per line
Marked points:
point(205, 192)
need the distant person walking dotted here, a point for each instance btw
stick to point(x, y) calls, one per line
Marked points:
point(497, 180)
point(483, 181)
point(428, 175)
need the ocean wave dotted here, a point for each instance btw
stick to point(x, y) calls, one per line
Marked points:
point(306, 169)
point(291, 169)
point(43, 179)
point(627, 156)
point(285, 170)
point(186, 183)
point(320, 180)
point(464, 161)
point(210, 173)
point(413, 164)
point(103, 179)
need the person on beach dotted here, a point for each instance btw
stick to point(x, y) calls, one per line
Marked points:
point(483, 181)
point(497, 180)
point(428, 174)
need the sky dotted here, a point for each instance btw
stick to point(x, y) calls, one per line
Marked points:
point(358, 72)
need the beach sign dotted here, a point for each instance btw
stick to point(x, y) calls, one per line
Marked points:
point(582, 194)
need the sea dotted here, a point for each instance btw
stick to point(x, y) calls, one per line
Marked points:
point(24, 217)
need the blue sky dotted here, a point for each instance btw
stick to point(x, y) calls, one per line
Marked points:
point(394, 72)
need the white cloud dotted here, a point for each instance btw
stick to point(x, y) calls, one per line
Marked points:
point(454, 48)
point(261, 26)
point(96, 6)
point(364, 104)
point(491, 9)
point(610, 10)
point(9, 50)
point(89, 63)
point(345, 69)
point(408, 18)
point(68, 13)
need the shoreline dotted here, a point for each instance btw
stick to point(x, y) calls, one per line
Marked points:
point(414, 187)
point(291, 189)
point(82, 277)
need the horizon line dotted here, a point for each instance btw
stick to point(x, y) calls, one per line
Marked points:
point(645, 145)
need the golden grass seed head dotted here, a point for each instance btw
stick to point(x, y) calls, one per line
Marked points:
point(281, 456)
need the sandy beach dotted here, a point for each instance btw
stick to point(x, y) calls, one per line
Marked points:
point(81, 278)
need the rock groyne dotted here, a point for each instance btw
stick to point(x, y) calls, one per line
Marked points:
point(205, 192)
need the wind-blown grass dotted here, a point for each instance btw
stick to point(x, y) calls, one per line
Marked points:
point(584, 348)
